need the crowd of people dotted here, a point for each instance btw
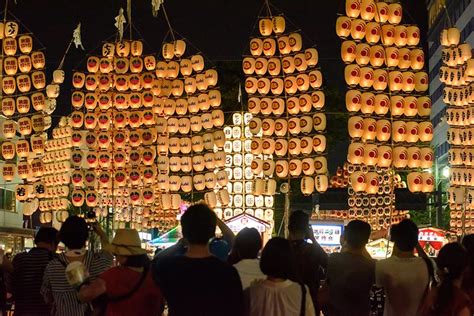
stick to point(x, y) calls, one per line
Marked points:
point(233, 275)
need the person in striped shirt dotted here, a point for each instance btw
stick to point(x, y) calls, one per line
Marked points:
point(56, 290)
point(28, 270)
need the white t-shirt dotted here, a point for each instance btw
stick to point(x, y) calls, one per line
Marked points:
point(249, 271)
point(277, 299)
point(404, 281)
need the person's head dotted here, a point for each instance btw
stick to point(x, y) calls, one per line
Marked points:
point(74, 232)
point(198, 224)
point(127, 248)
point(405, 235)
point(47, 237)
point(357, 234)
point(452, 262)
point(247, 244)
point(298, 224)
point(277, 259)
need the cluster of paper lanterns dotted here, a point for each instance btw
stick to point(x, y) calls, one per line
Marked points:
point(457, 76)
point(374, 208)
point(283, 83)
point(389, 122)
point(27, 102)
point(145, 131)
point(250, 192)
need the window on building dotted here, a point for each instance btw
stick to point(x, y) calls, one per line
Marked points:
point(7, 200)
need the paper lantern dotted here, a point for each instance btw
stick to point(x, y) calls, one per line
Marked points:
point(384, 156)
point(412, 132)
point(358, 28)
point(366, 77)
point(373, 33)
point(355, 153)
point(294, 146)
point(421, 81)
point(306, 104)
point(358, 181)
point(198, 63)
point(248, 65)
point(353, 8)
point(281, 127)
point(25, 127)
point(24, 63)
point(367, 103)
point(380, 80)
point(414, 181)
point(362, 54)
point(288, 64)
point(319, 143)
point(414, 157)
point(370, 129)
point(382, 104)
point(251, 85)
point(353, 100)
point(291, 85)
point(352, 74)
point(8, 129)
point(453, 36)
point(394, 13)
point(427, 157)
point(383, 130)
point(377, 56)
point(295, 167)
point(388, 35)
point(296, 42)
point(400, 157)
point(408, 81)
point(263, 86)
point(9, 46)
point(9, 86)
point(401, 35)
point(265, 26)
point(269, 47)
point(302, 82)
point(348, 51)
point(395, 80)
point(428, 183)
point(425, 131)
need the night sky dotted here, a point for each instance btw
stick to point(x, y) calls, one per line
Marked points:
point(219, 28)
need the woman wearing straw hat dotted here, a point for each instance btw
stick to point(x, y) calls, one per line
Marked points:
point(127, 289)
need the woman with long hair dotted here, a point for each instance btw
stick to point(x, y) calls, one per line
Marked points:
point(448, 299)
point(277, 295)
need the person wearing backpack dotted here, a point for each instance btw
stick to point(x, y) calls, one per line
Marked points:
point(56, 289)
point(128, 289)
point(311, 260)
point(277, 295)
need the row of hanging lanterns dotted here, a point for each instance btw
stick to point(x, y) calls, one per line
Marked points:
point(389, 111)
point(250, 192)
point(283, 83)
point(457, 76)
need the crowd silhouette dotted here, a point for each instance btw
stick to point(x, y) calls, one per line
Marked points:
point(232, 275)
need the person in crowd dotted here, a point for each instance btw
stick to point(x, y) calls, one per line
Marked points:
point(448, 298)
point(198, 283)
point(6, 268)
point(55, 289)
point(468, 281)
point(310, 258)
point(350, 274)
point(27, 276)
point(129, 288)
point(277, 295)
point(403, 276)
point(244, 256)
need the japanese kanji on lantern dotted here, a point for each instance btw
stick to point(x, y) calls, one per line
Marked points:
point(283, 84)
point(389, 110)
point(245, 196)
point(457, 76)
point(26, 103)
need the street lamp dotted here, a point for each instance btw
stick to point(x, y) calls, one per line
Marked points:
point(445, 172)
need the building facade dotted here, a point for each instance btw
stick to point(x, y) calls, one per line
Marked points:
point(443, 14)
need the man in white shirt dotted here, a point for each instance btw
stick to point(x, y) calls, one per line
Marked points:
point(403, 276)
